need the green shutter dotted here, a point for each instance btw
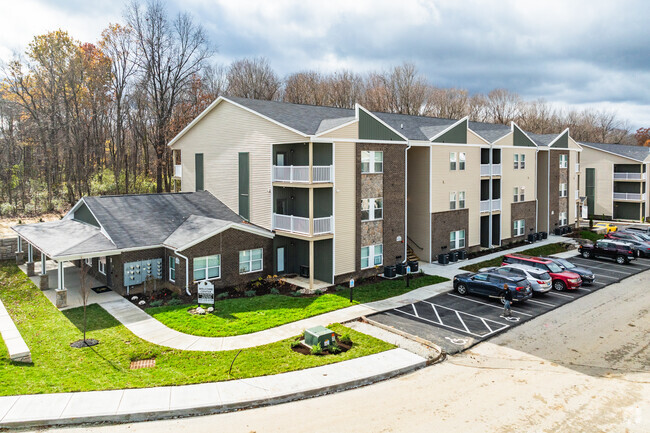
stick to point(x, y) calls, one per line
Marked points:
point(198, 170)
point(244, 186)
point(590, 189)
point(457, 134)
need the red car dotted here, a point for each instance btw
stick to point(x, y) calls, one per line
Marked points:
point(562, 279)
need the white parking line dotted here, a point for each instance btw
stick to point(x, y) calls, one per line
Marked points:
point(564, 295)
point(541, 303)
point(489, 305)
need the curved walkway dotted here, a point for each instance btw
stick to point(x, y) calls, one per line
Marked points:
point(153, 331)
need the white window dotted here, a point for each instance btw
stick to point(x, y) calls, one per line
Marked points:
point(372, 209)
point(250, 261)
point(89, 262)
point(372, 161)
point(461, 161)
point(452, 200)
point(172, 269)
point(563, 219)
point(452, 160)
point(516, 162)
point(205, 268)
point(518, 228)
point(563, 190)
point(461, 200)
point(522, 194)
point(372, 255)
point(101, 265)
point(457, 239)
point(564, 161)
point(515, 194)
point(522, 159)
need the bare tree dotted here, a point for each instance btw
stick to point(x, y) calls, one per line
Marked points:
point(449, 103)
point(305, 88)
point(84, 288)
point(344, 89)
point(170, 53)
point(253, 78)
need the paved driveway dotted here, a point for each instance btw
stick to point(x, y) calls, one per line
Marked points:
point(457, 322)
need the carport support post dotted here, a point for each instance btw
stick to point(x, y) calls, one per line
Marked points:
point(60, 277)
point(30, 260)
point(61, 292)
point(20, 256)
point(45, 280)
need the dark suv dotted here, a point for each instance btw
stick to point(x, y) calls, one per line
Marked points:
point(619, 251)
point(637, 240)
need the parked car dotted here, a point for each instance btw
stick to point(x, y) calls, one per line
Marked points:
point(606, 227)
point(637, 240)
point(586, 275)
point(562, 279)
point(540, 281)
point(619, 251)
point(491, 285)
point(640, 229)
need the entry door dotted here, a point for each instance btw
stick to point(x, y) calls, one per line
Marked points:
point(281, 206)
point(280, 258)
point(281, 159)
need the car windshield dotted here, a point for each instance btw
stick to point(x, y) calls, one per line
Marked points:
point(567, 264)
point(554, 268)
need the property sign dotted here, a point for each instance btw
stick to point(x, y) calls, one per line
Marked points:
point(206, 292)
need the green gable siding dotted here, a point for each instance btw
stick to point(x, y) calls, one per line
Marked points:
point(520, 139)
point(244, 186)
point(458, 135)
point(562, 142)
point(371, 129)
point(84, 215)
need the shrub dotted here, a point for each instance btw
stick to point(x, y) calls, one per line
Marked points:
point(316, 349)
point(295, 343)
point(221, 296)
point(156, 303)
point(250, 293)
point(275, 291)
point(345, 339)
point(318, 292)
point(174, 301)
point(296, 293)
point(333, 349)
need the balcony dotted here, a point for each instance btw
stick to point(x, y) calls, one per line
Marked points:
point(629, 196)
point(300, 173)
point(629, 176)
point(577, 197)
point(300, 225)
point(495, 203)
point(493, 169)
point(178, 170)
point(577, 168)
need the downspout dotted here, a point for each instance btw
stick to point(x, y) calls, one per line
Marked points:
point(406, 200)
point(187, 273)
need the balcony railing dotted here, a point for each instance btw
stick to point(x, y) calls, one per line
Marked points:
point(300, 225)
point(485, 205)
point(178, 170)
point(495, 169)
point(496, 204)
point(485, 169)
point(300, 173)
point(629, 196)
point(629, 176)
point(577, 168)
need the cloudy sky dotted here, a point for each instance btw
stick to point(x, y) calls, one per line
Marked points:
point(577, 53)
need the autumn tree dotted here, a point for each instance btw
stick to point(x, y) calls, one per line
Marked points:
point(643, 137)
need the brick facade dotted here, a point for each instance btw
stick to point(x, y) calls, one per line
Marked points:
point(442, 223)
point(522, 211)
point(557, 204)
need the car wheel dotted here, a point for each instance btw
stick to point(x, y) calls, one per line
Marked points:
point(461, 289)
point(621, 260)
point(586, 254)
point(559, 285)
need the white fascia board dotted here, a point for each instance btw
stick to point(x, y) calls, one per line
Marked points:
point(358, 107)
point(450, 127)
point(356, 140)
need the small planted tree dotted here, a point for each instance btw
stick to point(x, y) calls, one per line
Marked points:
point(84, 290)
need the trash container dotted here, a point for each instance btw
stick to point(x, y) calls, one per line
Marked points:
point(557, 231)
point(462, 255)
point(565, 230)
point(531, 238)
point(413, 264)
point(544, 235)
point(570, 229)
point(400, 268)
point(453, 256)
point(443, 259)
point(389, 271)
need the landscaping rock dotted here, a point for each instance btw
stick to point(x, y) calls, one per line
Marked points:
point(210, 309)
point(199, 310)
point(134, 298)
point(141, 303)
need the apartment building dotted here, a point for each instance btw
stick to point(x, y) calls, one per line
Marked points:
point(614, 181)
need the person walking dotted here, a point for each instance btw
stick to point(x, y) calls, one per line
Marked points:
point(507, 301)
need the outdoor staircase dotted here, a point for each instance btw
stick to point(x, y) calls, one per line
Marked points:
point(410, 254)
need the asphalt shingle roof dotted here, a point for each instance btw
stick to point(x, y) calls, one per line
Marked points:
point(415, 127)
point(638, 153)
point(490, 131)
point(193, 228)
point(542, 139)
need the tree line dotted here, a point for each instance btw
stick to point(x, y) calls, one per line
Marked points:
point(95, 118)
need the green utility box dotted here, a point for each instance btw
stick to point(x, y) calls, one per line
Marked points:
point(319, 335)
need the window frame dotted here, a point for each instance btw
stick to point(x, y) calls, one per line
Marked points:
point(369, 157)
point(101, 266)
point(461, 201)
point(452, 200)
point(522, 161)
point(516, 161)
point(452, 161)
point(563, 190)
point(515, 195)
point(462, 157)
point(518, 227)
point(206, 269)
point(251, 260)
point(171, 266)
point(522, 194)
point(455, 240)
point(564, 161)
point(372, 208)
point(564, 221)
point(372, 253)
point(89, 262)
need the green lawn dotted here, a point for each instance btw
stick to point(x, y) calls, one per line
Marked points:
point(544, 250)
point(245, 315)
point(586, 234)
point(59, 368)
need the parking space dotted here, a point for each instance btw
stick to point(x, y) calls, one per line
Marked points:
point(457, 322)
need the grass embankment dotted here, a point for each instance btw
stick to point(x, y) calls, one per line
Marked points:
point(589, 235)
point(59, 368)
point(544, 250)
point(245, 315)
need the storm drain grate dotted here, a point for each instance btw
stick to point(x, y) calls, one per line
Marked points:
point(143, 363)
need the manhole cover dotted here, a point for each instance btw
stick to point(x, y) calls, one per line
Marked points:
point(143, 363)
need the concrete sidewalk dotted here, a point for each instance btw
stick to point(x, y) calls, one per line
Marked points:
point(188, 400)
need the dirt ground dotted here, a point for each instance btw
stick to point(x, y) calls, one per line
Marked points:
point(7, 223)
point(584, 367)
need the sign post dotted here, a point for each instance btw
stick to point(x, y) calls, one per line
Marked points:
point(408, 275)
point(351, 288)
point(206, 292)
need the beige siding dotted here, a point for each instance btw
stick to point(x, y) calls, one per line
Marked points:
point(508, 140)
point(418, 202)
point(573, 184)
point(444, 181)
point(345, 217)
point(220, 136)
point(511, 178)
point(472, 138)
point(350, 131)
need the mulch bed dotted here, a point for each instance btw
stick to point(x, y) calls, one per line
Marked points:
point(88, 342)
point(306, 350)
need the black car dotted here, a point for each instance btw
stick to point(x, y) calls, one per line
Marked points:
point(586, 275)
point(619, 251)
point(638, 240)
point(489, 284)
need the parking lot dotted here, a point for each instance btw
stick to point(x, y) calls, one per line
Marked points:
point(457, 322)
